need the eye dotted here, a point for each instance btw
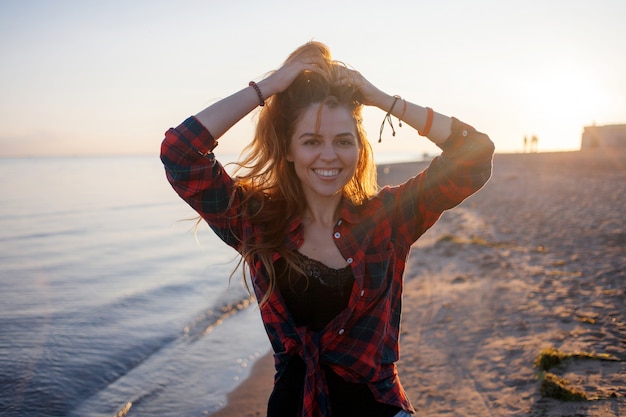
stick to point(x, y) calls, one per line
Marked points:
point(310, 142)
point(345, 141)
point(308, 139)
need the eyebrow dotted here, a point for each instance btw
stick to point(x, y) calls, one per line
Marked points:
point(315, 135)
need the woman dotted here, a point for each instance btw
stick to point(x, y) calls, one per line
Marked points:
point(326, 249)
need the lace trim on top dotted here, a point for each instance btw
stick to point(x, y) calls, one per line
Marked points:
point(336, 279)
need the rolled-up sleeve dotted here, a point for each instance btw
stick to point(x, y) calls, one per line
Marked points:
point(462, 169)
point(199, 179)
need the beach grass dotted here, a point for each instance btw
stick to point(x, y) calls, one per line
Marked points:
point(554, 386)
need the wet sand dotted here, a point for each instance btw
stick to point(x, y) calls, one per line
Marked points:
point(535, 260)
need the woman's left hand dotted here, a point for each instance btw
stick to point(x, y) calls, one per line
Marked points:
point(370, 94)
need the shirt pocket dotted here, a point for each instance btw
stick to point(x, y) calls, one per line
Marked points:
point(377, 274)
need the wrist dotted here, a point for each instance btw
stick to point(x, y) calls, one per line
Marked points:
point(273, 84)
point(258, 92)
point(267, 88)
point(384, 102)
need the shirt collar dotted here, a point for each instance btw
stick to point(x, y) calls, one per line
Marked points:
point(349, 211)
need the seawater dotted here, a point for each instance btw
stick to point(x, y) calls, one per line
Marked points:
point(108, 303)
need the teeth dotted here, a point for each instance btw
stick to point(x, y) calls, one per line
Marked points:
point(327, 172)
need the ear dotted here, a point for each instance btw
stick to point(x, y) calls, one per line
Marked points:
point(288, 156)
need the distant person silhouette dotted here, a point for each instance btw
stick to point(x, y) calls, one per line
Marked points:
point(534, 143)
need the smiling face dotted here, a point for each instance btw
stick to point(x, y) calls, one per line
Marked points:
point(324, 150)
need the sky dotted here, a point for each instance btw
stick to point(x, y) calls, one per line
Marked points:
point(109, 77)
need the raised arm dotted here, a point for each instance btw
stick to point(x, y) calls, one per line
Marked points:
point(224, 114)
point(437, 127)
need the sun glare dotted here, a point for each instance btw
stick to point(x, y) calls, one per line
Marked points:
point(562, 104)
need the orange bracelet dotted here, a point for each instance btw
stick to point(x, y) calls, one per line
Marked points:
point(429, 122)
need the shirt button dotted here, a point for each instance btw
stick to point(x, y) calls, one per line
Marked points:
point(339, 222)
point(349, 260)
point(465, 133)
point(362, 293)
point(337, 235)
point(341, 331)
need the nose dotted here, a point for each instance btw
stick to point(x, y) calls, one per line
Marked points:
point(328, 153)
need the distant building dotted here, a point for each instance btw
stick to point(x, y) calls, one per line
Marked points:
point(609, 136)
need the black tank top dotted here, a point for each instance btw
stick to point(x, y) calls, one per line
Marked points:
point(314, 300)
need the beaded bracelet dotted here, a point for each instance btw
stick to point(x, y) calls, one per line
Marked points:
point(258, 93)
point(429, 122)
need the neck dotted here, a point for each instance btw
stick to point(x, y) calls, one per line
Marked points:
point(323, 213)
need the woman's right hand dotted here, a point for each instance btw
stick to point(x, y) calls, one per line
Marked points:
point(282, 78)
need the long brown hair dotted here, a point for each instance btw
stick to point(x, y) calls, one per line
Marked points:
point(272, 192)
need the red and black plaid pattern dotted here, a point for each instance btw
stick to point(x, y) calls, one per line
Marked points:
point(361, 343)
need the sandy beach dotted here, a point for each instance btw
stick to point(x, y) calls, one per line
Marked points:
point(535, 260)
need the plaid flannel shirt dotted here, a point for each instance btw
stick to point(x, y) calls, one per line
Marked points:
point(375, 238)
